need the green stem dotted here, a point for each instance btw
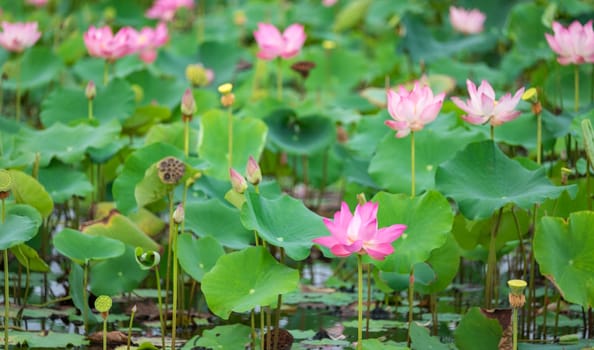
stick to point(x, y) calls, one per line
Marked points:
point(160, 301)
point(169, 250)
point(515, 328)
point(279, 79)
point(130, 327)
point(18, 89)
point(279, 303)
point(368, 311)
point(186, 136)
point(412, 163)
point(85, 301)
point(492, 132)
point(411, 295)
point(175, 283)
point(576, 86)
point(90, 109)
point(6, 291)
point(106, 73)
point(230, 136)
point(539, 138)
point(105, 333)
point(253, 329)
point(492, 262)
point(262, 340)
point(360, 302)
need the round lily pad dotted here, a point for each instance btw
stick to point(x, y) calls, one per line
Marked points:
point(82, 247)
point(198, 256)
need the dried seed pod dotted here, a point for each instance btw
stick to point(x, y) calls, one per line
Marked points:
point(171, 170)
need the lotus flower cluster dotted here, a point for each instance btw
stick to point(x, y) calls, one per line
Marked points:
point(411, 110)
point(574, 44)
point(273, 44)
point(483, 107)
point(101, 42)
point(359, 234)
point(18, 36)
point(467, 21)
point(164, 10)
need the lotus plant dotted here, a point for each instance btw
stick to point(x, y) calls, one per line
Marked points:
point(482, 107)
point(574, 45)
point(17, 37)
point(467, 21)
point(164, 10)
point(359, 234)
point(411, 111)
point(149, 39)
point(272, 44)
point(102, 43)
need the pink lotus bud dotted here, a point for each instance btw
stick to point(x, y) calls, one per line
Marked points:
point(91, 90)
point(179, 214)
point(254, 174)
point(188, 103)
point(237, 181)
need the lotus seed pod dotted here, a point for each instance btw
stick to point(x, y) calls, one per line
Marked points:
point(225, 88)
point(5, 184)
point(171, 170)
point(188, 104)
point(516, 301)
point(197, 75)
point(517, 286)
point(254, 174)
point(237, 181)
point(178, 214)
point(91, 90)
point(103, 303)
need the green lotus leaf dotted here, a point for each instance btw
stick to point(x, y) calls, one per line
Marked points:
point(351, 15)
point(121, 228)
point(20, 225)
point(198, 256)
point(242, 280)
point(27, 190)
point(75, 281)
point(228, 337)
point(117, 275)
point(423, 275)
point(146, 260)
point(63, 182)
point(300, 135)
point(475, 325)
point(223, 223)
point(38, 66)
point(249, 138)
point(144, 117)
point(29, 258)
point(422, 236)
point(173, 134)
point(81, 247)
point(563, 250)
point(134, 170)
point(481, 179)
point(444, 261)
point(67, 143)
point(421, 339)
point(13, 157)
point(284, 222)
point(47, 340)
point(390, 167)
point(163, 91)
point(114, 101)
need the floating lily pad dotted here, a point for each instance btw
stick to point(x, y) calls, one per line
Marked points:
point(284, 222)
point(242, 280)
point(563, 250)
point(481, 179)
point(249, 138)
point(114, 101)
point(67, 143)
point(229, 337)
point(81, 247)
point(422, 236)
point(46, 340)
point(198, 256)
point(300, 135)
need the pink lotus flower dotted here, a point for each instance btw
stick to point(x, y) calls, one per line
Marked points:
point(149, 39)
point(482, 107)
point(18, 36)
point(329, 3)
point(101, 42)
point(412, 110)
point(164, 10)
point(467, 21)
point(574, 44)
point(273, 44)
point(37, 3)
point(359, 233)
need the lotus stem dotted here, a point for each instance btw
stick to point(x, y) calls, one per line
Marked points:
point(492, 133)
point(262, 340)
point(106, 73)
point(516, 300)
point(18, 89)
point(576, 82)
point(230, 136)
point(360, 302)
point(515, 328)
point(538, 138)
point(412, 164)
point(85, 301)
point(279, 79)
point(492, 262)
point(130, 325)
point(6, 291)
point(105, 333)
point(279, 303)
point(186, 136)
point(253, 329)
point(411, 297)
point(160, 301)
point(368, 313)
point(175, 282)
point(90, 104)
point(169, 250)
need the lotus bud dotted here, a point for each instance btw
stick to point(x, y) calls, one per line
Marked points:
point(188, 104)
point(179, 214)
point(254, 174)
point(239, 18)
point(5, 184)
point(134, 309)
point(197, 75)
point(91, 90)
point(171, 170)
point(517, 299)
point(237, 181)
point(228, 97)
